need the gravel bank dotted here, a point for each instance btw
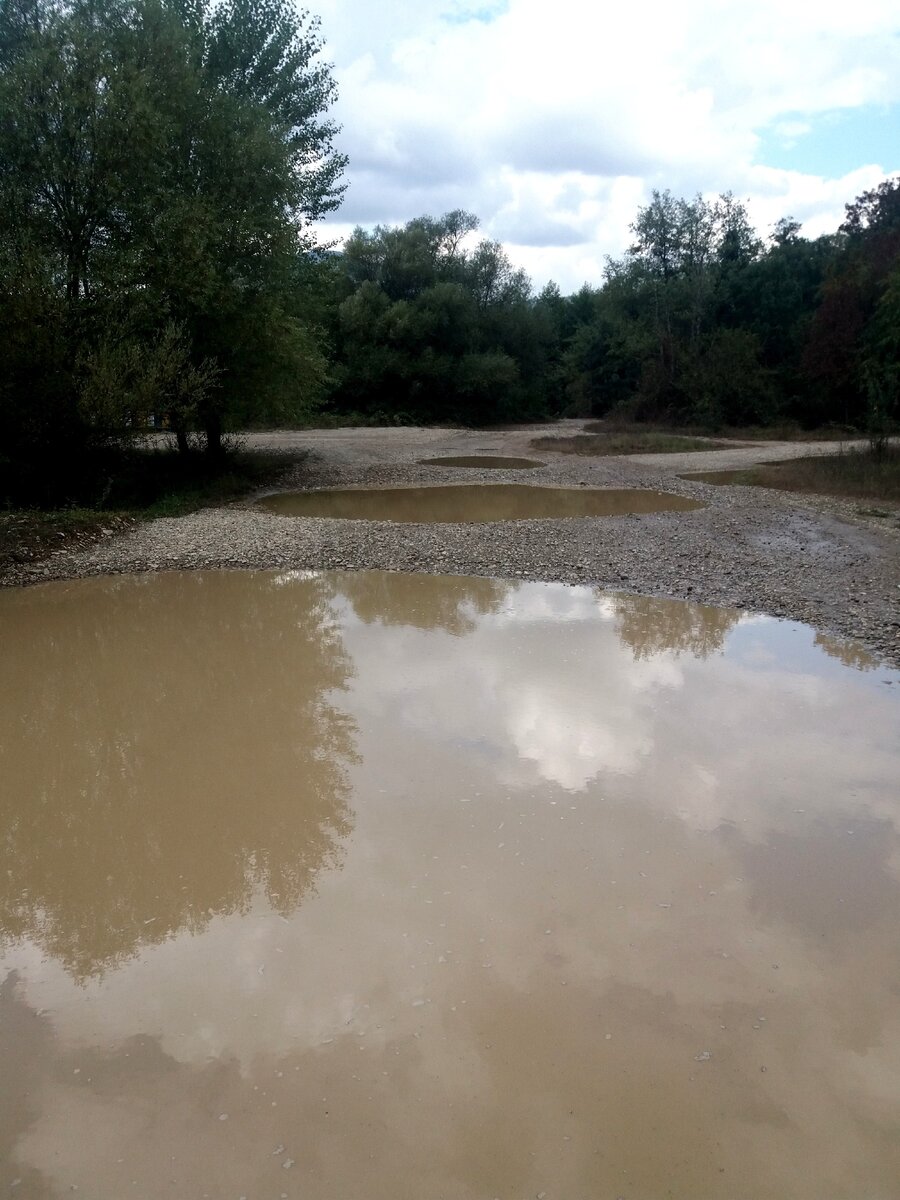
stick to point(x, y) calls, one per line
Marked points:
point(803, 558)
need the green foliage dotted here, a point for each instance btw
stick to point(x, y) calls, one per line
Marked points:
point(881, 405)
point(727, 383)
point(160, 165)
point(700, 323)
point(853, 337)
point(122, 384)
point(434, 329)
point(684, 254)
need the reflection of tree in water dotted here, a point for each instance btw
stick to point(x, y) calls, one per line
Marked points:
point(448, 602)
point(168, 746)
point(650, 625)
point(851, 654)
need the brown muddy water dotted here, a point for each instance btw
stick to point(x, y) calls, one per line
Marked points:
point(473, 503)
point(495, 462)
point(379, 886)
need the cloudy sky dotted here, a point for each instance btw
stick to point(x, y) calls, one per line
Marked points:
point(553, 121)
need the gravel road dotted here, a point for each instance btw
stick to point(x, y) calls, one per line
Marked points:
point(805, 558)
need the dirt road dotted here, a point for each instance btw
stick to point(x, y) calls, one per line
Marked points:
point(806, 558)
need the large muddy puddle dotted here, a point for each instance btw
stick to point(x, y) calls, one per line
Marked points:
point(473, 503)
point(382, 886)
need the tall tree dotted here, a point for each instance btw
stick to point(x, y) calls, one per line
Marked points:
point(433, 329)
point(851, 354)
point(666, 292)
point(161, 165)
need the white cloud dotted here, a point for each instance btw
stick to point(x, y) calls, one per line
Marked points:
point(554, 124)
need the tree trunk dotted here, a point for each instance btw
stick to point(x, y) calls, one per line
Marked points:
point(213, 427)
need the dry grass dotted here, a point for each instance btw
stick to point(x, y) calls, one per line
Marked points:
point(791, 433)
point(633, 441)
point(855, 474)
point(787, 431)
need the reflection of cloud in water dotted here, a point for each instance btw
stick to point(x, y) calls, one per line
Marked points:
point(556, 712)
point(770, 740)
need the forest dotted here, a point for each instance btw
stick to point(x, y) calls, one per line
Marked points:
point(163, 168)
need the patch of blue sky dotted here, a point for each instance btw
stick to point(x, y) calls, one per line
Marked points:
point(833, 143)
point(484, 13)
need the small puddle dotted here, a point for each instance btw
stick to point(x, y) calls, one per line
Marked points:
point(486, 461)
point(373, 885)
point(474, 503)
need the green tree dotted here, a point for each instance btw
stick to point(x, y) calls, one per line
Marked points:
point(161, 165)
point(774, 297)
point(852, 351)
point(670, 284)
point(433, 329)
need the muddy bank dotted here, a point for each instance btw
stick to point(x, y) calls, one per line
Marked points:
point(804, 558)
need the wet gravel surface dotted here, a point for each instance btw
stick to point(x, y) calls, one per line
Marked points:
point(805, 558)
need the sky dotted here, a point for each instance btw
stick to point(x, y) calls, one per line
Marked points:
point(553, 122)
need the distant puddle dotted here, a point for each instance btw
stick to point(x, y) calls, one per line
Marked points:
point(486, 461)
point(474, 503)
point(375, 886)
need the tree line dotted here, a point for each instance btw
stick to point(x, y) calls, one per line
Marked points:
point(162, 167)
point(704, 322)
point(701, 322)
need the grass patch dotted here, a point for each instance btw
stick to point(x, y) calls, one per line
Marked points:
point(636, 441)
point(143, 484)
point(160, 482)
point(787, 431)
point(855, 474)
point(791, 433)
point(323, 419)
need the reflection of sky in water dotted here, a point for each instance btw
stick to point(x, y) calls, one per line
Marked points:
point(558, 711)
point(567, 707)
point(491, 825)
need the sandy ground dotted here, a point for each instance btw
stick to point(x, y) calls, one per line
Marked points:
point(811, 559)
point(359, 447)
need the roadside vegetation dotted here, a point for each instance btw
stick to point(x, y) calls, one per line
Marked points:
point(142, 484)
point(632, 441)
point(161, 169)
point(862, 474)
point(783, 431)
